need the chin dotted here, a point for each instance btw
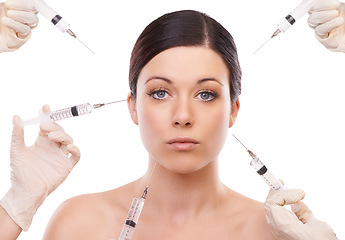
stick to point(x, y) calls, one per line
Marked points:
point(184, 164)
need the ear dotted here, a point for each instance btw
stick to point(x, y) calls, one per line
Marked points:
point(234, 111)
point(132, 107)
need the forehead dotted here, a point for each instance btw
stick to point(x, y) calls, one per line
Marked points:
point(181, 64)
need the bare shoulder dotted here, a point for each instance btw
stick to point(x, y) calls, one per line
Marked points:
point(91, 216)
point(251, 220)
point(72, 219)
point(258, 223)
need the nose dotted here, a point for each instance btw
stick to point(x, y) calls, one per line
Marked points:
point(182, 114)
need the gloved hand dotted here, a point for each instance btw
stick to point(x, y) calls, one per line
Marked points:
point(287, 226)
point(17, 18)
point(327, 18)
point(37, 170)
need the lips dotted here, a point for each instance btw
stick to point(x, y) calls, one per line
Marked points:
point(183, 143)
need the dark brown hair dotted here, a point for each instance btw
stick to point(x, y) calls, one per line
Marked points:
point(185, 28)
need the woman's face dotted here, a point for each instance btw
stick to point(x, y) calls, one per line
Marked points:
point(183, 107)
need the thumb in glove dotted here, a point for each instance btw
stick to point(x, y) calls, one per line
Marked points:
point(299, 226)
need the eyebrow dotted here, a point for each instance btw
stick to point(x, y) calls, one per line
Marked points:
point(159, 78)
point(209, 79)
point(171, 82)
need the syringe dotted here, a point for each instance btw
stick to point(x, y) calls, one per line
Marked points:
point(133, 217)
point(291, 18)
point(62, 114)
point(266, 175)
point(55, 18)
point(134, 214)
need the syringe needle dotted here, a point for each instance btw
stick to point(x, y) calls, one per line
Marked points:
point(262, 45)
point(250, 152)
point(273, 35)
point(148, 182)
point(239, 141)
point(153, 169)
point(115, 101)
point(69, 31)
point(98, 105)
point(85, 45)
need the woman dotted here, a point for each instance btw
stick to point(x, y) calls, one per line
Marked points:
point(185, 82)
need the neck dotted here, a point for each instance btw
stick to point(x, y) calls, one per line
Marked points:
point(183, 196)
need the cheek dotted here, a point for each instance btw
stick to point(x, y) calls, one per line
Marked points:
point(153, 122)
point(215, 123)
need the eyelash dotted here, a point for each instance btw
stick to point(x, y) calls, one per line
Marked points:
point(155, 91)
point(212, 93)
point(152, 93)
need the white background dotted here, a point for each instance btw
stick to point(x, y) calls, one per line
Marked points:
point(292, 104)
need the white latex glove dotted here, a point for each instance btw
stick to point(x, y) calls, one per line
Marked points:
point(37, 170)
point(327, 18)
point(286, 226)
point(17, 18)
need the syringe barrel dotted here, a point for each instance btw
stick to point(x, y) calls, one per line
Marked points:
point(43, 9)
point(51, 15)
point(302, 9)
point(269, 178)
point(132, 219)
point(74, 111)
point(296, 14)
point(60, 114)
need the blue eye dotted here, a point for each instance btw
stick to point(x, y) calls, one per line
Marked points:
point(158, 94)
point(207, 96)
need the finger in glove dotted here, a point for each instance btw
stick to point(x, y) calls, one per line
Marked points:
point(28, 18)
point(276, 214)
point(325, 5)
point(46, 108)
point(21, 29)
point(318, 18)
point(46, 128)
point(289, 196)
point(20, 5)
point(60, 137)
point(75, 154)
point(304, 214)
point(17, 133)
point(323, 30)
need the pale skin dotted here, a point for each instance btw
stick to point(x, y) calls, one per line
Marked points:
point(183, 111)
point(8, 228)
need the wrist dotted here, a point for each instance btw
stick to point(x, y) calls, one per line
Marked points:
point(21, 208)
point(8, 228)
